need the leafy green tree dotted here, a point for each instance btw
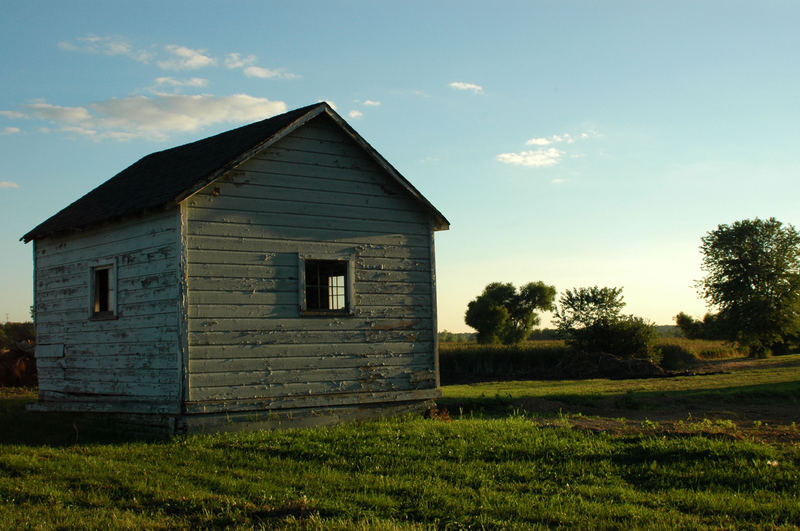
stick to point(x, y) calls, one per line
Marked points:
point(753, 278)
point(582, 307)
point(711, 327)
point(503, 314)
point(590, 319)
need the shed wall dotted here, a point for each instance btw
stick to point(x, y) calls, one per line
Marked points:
point(130, 363)
point(314, 193)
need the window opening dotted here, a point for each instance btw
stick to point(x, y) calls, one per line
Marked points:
point(101, 294)
point(326, 288)
point(102, 304)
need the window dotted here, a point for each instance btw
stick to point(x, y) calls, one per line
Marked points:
point(325, 286)
point(102, 292)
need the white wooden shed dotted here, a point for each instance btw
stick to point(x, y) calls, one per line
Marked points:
point(281, 273)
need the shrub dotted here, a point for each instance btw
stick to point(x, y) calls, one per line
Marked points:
point(469, 362)
point(626, 337)
point(11, 333)
point(674, 357)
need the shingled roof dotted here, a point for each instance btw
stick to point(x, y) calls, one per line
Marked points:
point(166, 178)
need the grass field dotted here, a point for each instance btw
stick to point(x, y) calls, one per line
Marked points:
point(597, 454)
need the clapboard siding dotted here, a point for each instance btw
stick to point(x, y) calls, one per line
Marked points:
point(303, 363)
point(408, 381)
point(314, 193)
point(132, 357)
point(304, 221)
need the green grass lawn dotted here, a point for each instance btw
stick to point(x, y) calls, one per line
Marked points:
point(514, 468)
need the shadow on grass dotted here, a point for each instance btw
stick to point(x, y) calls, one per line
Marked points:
point(23, 427)
point(773, 402)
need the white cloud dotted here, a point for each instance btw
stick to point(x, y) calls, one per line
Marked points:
point(235, 60)
point(11, 130)
point(184, 58)
point(355, 114)
point(371, 103)
point(56, 113)
point(265, 73)
point(107, 45)
point(247, 64)
point(16, 115)
point(538, 158)
point(8, 184)
point(192, 82)
point(544, 157)
point(471, 87)
point(558, 181)
point(157, 116)
point(554, 139)
point(538, 142)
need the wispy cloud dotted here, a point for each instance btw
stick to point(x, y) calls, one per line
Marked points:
point(8, 184)
point(355, 114)
point(157, 116)
point(538, 158)
point(15, 115)
point(106, 45)
point(266, 73)
point(172, 82)
point(544, 157)
point(249, 68)
point(538, 142)
point(184, 58)
point(57, 113)
point(469, 87)
point(235, 60)
point(556, 139)
point(11, 130)
point(370, 103)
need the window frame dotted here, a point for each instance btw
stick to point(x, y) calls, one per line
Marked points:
point(112, 290)
point(349, 280)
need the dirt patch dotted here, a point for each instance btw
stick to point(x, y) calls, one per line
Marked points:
point(737, 364)
point(715, 429)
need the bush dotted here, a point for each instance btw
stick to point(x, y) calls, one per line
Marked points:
point(626, 337)
point(674, 357)
point(12, 333)
point(461, 363)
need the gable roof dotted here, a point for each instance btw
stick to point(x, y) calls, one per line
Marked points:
point(166, 178)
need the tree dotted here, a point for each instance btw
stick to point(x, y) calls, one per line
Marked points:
point(582, 307)
point(753, 278)
point(590, 320)
point(503, 314)
point(711, 327)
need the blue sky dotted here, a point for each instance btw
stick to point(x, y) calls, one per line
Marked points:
point(577, 143)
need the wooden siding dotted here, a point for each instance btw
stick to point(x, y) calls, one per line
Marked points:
point(314, 193)
point(131, 361)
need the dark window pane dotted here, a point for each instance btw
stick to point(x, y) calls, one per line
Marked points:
point(325, 285)
point(101, 290)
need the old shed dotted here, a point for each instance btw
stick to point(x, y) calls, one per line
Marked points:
point(280, 273)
